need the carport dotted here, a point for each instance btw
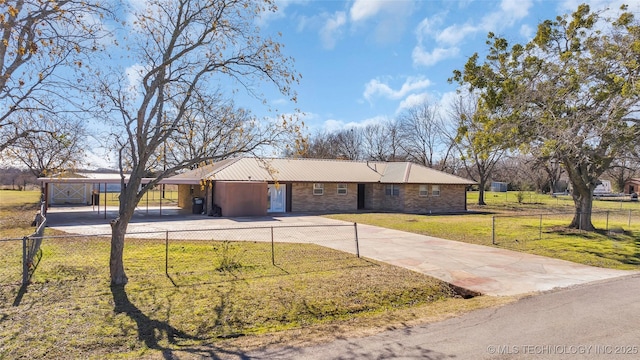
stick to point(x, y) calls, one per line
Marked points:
point(97, 182)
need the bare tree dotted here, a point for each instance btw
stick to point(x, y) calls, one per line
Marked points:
point(181, 47)
point(552, 170)
point(622, 170)
point(423, 135)
point(215, 127)
point(320, 145)
point(479, 153)
point(44, 47)
point(383, 141)
point(348, 144)
point(61, 147)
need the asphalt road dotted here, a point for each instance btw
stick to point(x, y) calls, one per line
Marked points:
point(599, 320)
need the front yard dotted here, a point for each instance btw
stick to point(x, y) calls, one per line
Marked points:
point(219, 297)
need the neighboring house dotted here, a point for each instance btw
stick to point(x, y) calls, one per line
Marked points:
point(252, 187)
point(632, 186)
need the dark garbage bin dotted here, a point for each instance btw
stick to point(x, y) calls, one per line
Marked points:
point(198, 204)
point(95, 199)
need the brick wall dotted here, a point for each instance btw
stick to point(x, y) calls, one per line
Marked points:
point(380, 201)
point(303, 200)
point(452, 198)
point(185, 195)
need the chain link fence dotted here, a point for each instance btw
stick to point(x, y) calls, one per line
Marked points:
point(512, 230)
point(20, 256)
point(188, 256)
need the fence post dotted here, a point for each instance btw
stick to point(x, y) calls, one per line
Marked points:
point(607, 223)
point(540, 236)
point(273, 252)
point(493, 230)
point(629, 218)
point(25, 265)
point(166, 253)
point(580, 221)
point(355, 228)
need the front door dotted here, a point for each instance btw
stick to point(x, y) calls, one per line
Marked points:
point(361, 196)
point(276, 198)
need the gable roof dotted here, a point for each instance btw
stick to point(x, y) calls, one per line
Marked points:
point(317, 170)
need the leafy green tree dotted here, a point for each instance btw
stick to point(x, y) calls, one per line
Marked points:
point(180, 50)
point(571, 94)
point(479, 151)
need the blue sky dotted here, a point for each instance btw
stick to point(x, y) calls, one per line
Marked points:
point(364, 61)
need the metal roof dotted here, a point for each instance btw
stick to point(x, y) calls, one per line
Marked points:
point(317, 170)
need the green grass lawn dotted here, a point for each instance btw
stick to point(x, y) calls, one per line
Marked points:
point(519, 226)
point(219, 296)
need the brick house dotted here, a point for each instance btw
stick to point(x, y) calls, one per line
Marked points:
point(252, 187)
point(632, 186)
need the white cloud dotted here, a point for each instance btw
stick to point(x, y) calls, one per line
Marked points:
point(517, 9)
point(376, 87)
point(363, 9)
point(454, 34)
point(281, 11)
point(391, 17)
point(134, 77)
point(422, 57)
point(333, 125)
point(510, 11)
point(448, 40)
point(332, 29)
point(427, 27)
point(413, 100)
point(527, 31)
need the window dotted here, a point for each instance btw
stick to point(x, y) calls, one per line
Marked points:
point(435, 190)
point(342, 189)
point(423, 191)
point(392, 190)
point(318, 189)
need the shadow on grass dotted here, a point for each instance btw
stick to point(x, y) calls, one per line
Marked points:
point(23, 288)
point(216, 278)
point(20, 295)
point(151, 331)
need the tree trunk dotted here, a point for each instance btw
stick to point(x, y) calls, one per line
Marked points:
point(481, 186)
point(583, 200)
point(481, 196)
point(116, 263)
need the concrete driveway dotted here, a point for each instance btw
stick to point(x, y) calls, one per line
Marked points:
point(481, 269)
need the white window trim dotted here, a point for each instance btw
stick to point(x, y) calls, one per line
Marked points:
point(340, 187)
point(318, 189)
point(425, 192)
point(435, 190)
